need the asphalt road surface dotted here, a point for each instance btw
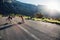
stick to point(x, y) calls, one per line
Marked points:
point(30, 30)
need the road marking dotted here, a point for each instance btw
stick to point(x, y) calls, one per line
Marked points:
point(27, 31)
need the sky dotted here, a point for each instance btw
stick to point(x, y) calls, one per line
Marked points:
point(36, 2)
point(51, 4)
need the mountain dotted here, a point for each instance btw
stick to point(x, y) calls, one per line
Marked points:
point(12, 6)
point(16, 7)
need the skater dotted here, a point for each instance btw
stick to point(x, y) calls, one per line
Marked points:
point(22, 18)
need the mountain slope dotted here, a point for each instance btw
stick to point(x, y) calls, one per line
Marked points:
point(18, 8)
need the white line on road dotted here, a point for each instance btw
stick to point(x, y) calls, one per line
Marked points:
point(27, 31)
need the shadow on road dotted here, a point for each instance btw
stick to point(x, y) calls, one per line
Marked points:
point(19, 23)
point(4, 27)
point(4, 24)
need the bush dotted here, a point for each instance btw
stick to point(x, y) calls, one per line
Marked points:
point(39, 15)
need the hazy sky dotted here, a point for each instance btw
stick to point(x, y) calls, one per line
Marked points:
point(36, 2)
point(50, 4)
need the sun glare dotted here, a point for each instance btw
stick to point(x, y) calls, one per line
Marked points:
point(52, 6)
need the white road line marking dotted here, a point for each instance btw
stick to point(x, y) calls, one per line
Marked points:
point(28, 32)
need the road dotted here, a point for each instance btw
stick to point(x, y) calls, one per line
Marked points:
point(30, 30)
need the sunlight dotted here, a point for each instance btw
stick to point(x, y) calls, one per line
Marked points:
point(52, 6)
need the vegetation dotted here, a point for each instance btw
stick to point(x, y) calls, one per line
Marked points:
point(0, 15)
point(17, 8)
point(50, 20)
point(47, 20)
point(38, 15)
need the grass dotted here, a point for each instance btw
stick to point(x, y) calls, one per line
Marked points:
point(45, 20)
point(48, 20)
point(0, 16)
point(26, 17)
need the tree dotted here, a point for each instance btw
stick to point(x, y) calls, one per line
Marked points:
point(38, 15)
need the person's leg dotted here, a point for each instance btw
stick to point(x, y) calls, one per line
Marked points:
point(23, 20)
point(10, 20)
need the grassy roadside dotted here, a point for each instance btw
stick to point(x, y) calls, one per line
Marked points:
point(0, 16)
point(48, 20)
point(45, 20)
